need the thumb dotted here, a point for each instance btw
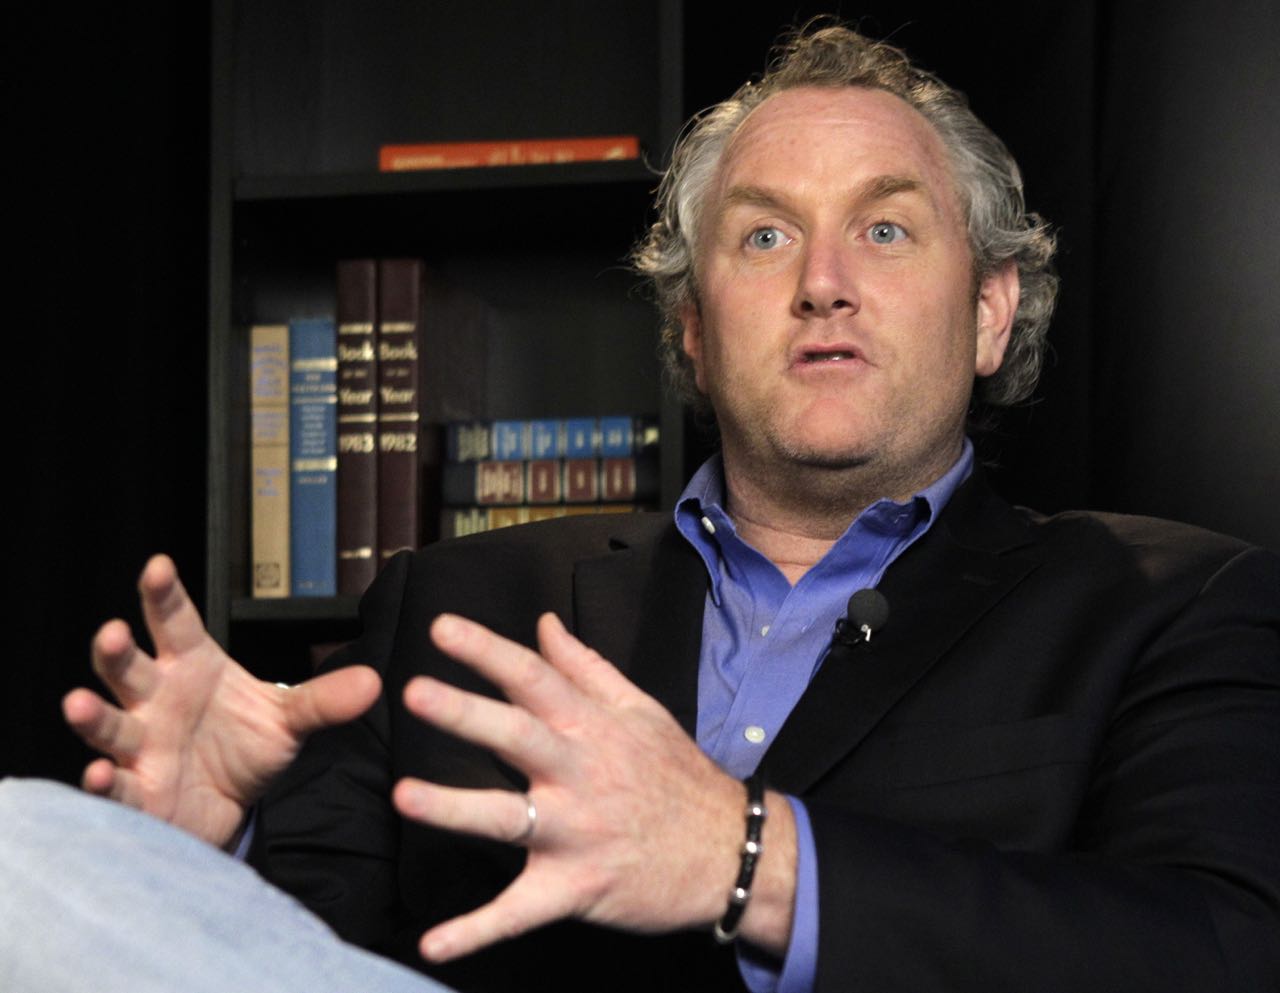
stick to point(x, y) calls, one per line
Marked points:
point(334, 698)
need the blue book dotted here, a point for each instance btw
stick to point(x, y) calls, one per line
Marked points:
point(313, 457)
point(546, 439)
point(510, 440)
point(616, 436)
point(468, 441)
point(580, 438)
point(550, 438)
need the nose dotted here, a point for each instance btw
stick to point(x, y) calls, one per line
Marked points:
point(826, 284)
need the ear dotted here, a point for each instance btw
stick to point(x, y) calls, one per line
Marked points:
point(997, 303)
point(691, 341)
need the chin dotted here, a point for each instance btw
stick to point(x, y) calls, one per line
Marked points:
point(835, 456)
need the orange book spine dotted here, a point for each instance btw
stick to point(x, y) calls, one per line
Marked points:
point(533, 151)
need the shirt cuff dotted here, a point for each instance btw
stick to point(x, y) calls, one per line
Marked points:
point(241, 854)
point(798, 970)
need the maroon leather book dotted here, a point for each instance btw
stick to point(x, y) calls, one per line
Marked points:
point(357, 316)
point(581, 481)
point(539, 482)
point(618, 478)
point(544, 481)
point(399, 375)
point(500, 482)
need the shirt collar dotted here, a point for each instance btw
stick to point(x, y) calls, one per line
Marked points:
point(700, 515)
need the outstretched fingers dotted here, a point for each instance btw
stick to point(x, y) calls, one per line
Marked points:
point(99, 777)
point(104, 778)
point(171, 617)
point(515, 735)
point(552, 682)
point(334, 698)
point(128, 671)
point(102, 726)
point(520, 673)
point(501, 815)
point(584, 667)
point(527, 903)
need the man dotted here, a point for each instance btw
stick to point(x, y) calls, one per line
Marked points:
point(1053, 767)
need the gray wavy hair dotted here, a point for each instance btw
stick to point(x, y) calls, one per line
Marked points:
point(988, 183)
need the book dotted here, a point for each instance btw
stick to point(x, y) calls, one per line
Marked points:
point(313, 457)
point(457, 522)
point(399, 373)
point(468, 441)
point(497, 482)
point(357, 312)
point(576, 437)
point(529, 151)
point(269, 459)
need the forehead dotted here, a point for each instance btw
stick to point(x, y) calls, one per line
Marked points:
point(833, 138)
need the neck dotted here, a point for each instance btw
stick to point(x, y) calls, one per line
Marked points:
point(794, 518)
point(792, 533)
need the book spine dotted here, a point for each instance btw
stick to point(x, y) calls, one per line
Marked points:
point(581, 437)
point(581, 480)
point(575, 438)
point(544, 480)
point(457, 522)
point(468, 441)
point(546, 439)
point(399, 376)
point(506, 482)
point(313, 456)
point(627, 435)
point(534, 151)
point(511, 440)
point(357, 302)
point(269, 459)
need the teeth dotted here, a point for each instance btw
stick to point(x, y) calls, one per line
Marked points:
point(828, 356)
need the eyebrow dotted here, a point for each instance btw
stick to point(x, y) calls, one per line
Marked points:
point(873, 190)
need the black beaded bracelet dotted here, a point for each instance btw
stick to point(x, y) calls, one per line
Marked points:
point(726, 929)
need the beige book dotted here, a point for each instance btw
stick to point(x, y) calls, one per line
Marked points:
point(269, 458)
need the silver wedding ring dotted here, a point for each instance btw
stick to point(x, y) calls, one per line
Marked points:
point(531, 812)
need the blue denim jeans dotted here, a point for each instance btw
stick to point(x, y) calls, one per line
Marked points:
point(97, 896)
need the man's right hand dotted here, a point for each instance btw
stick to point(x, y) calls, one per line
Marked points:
point(196, 739)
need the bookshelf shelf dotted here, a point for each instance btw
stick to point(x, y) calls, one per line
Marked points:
point(519, 177)
point(302, 99)
point(294, 610)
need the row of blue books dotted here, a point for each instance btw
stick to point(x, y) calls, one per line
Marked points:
point(550, 438)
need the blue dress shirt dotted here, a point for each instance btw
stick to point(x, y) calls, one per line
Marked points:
point(762, 641)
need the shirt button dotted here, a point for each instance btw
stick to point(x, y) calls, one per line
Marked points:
point(754, 734)
point(708, 526)
point(764, 631)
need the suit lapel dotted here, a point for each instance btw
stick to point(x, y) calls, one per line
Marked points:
point(640, 606)
point(973, 556)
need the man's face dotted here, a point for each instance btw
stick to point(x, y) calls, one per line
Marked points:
point(838, 323)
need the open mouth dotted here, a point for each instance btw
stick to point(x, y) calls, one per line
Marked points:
point(832, 354)
point(813, 357)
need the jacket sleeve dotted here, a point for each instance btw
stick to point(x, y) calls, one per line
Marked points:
point(327, 832)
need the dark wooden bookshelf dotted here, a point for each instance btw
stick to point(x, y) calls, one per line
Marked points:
point(301, 98)
point(295, 610)
point(319, 187)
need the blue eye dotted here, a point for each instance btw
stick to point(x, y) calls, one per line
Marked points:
point(886, 233)
point(765, 238)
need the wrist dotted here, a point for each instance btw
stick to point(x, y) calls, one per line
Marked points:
point(770, 912)
point(726, 928)
point(765, 861)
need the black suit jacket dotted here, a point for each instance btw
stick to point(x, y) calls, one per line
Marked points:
point(1056, 768)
